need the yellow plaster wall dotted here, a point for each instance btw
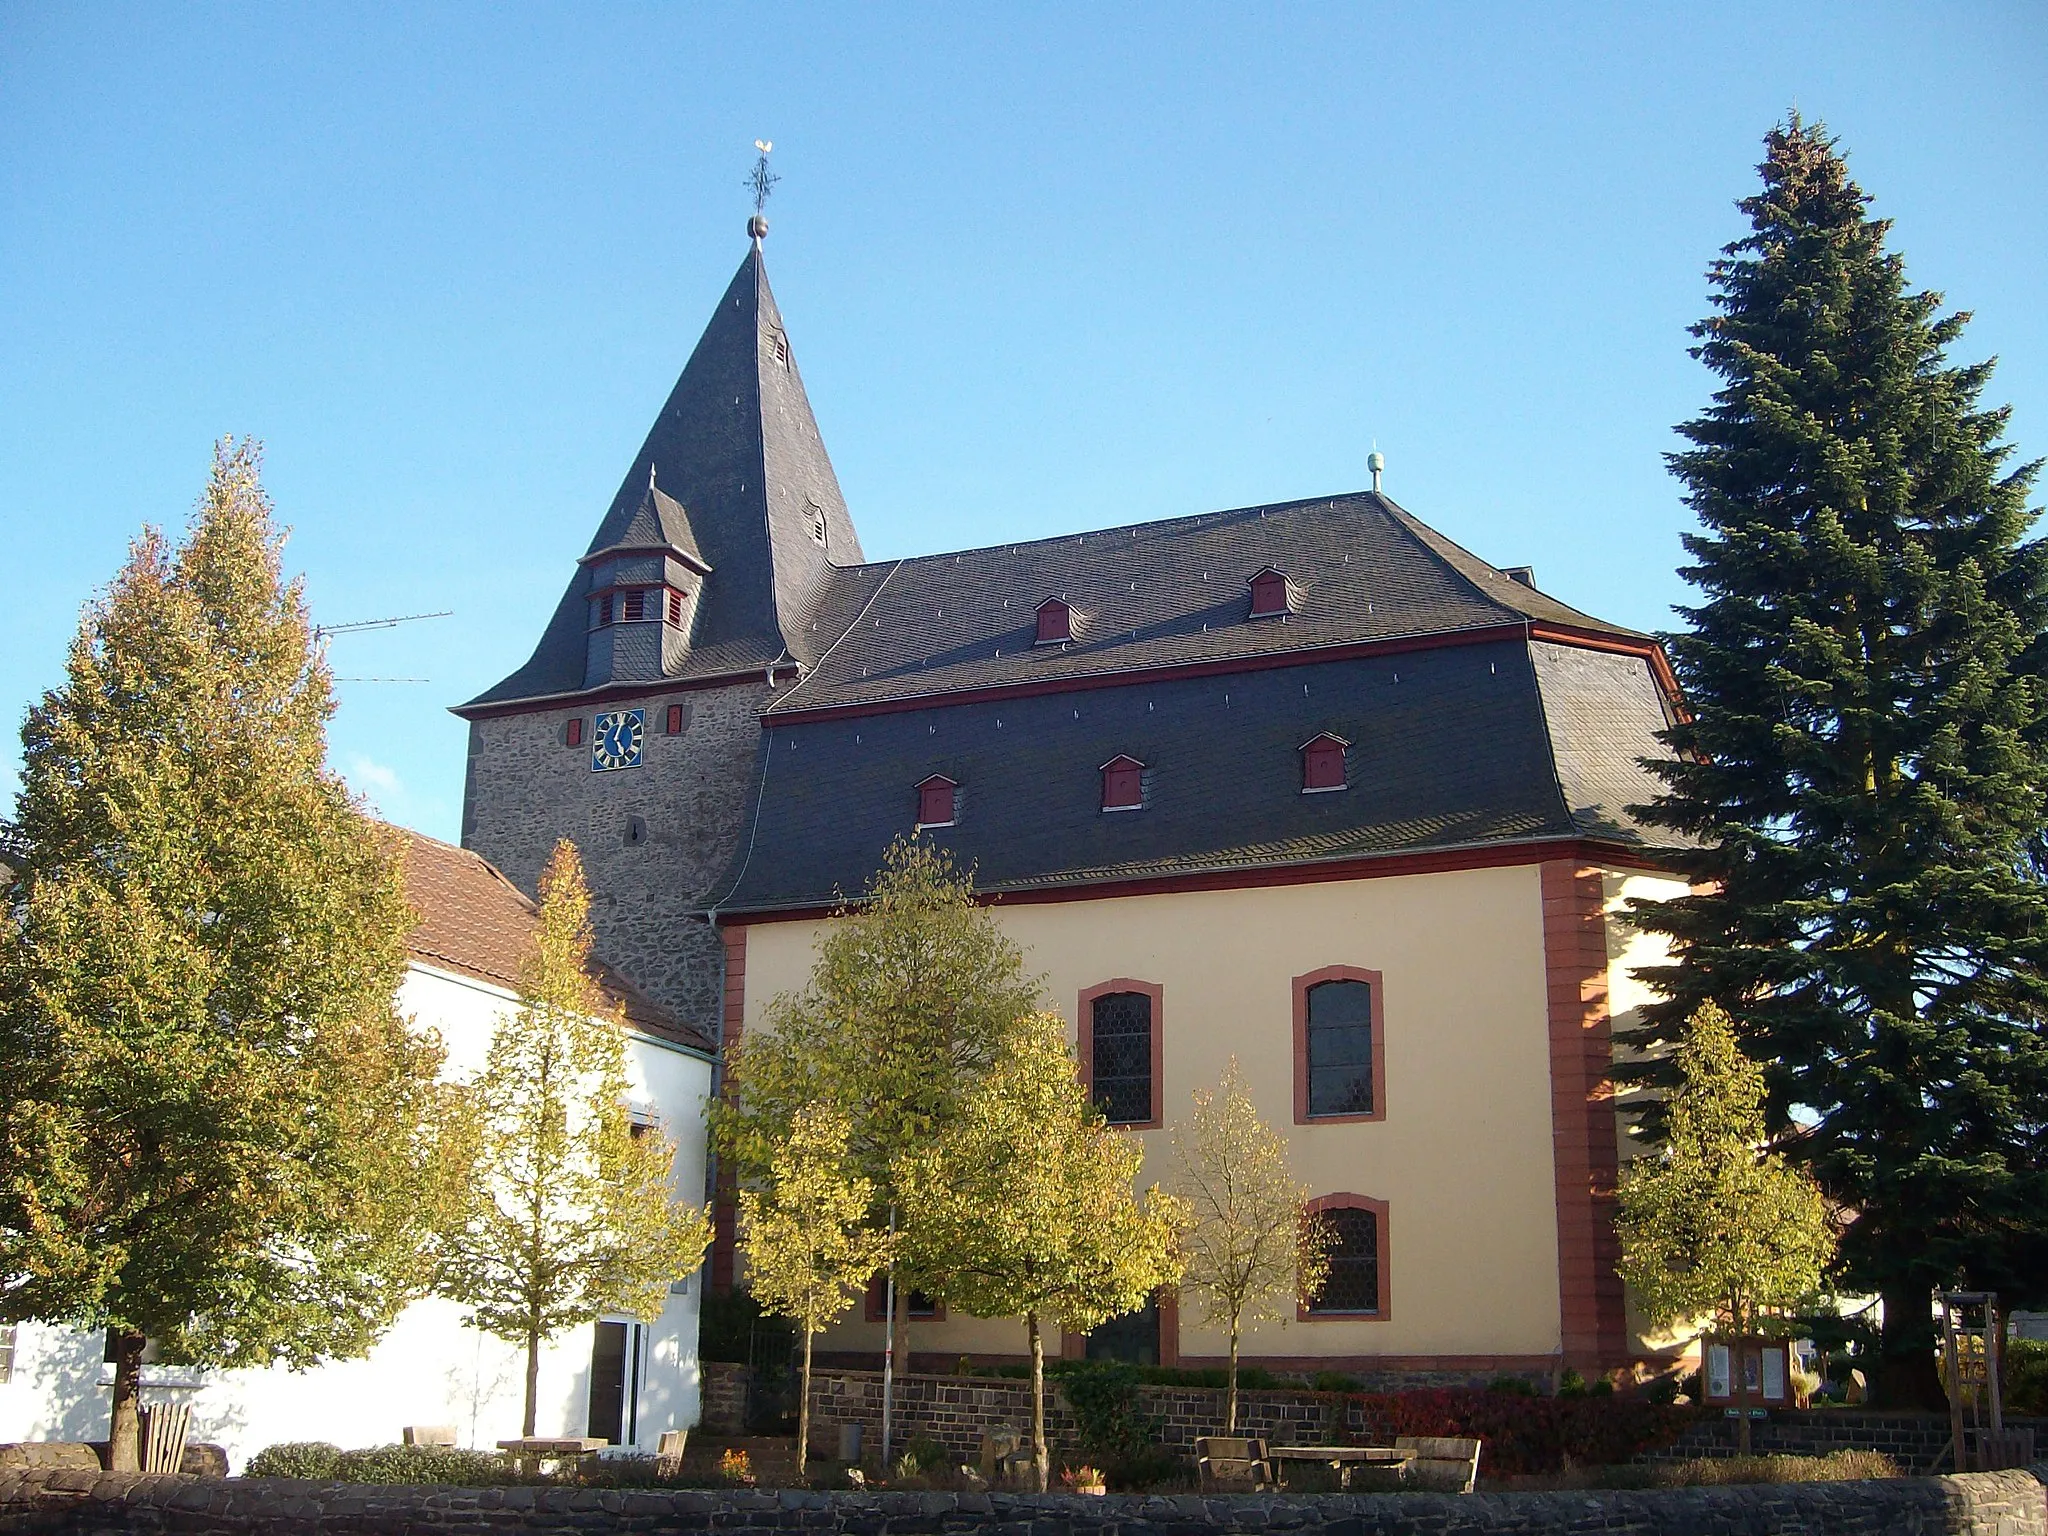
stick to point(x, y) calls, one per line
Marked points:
point(1464, 1154)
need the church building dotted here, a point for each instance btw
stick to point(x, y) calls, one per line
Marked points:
point(1307, 785)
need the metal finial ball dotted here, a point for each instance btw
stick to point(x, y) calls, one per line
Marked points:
point(1376, 461)
point(757, 227)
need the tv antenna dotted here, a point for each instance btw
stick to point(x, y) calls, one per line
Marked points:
point(358, 626)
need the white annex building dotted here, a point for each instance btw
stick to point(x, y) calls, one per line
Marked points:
point(619, 1379)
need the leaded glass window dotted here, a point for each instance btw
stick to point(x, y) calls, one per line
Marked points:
point(1340, 1048)
point(1353, 1284)
point(1120, 1052)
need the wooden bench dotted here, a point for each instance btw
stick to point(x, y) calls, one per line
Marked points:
point(1447, 1463)
point(1232, 1464)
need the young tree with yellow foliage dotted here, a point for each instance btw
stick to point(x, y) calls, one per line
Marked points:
point(1252, 1245)
point(1024, 1205)
point(810, 1248)
point(1713, 1223)
point(217, 1135)
point(571, 1214)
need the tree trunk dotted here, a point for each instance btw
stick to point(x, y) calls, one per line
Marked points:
point(1907, 1375)
point(124, 1437)
point(1041, 1460)
point(803, 1408)
point(526, 1419)
point(1230, 1397)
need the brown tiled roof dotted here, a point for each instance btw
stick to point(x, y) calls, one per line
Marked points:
point(477, 923)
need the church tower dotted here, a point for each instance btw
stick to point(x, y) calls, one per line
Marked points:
point(634, 727)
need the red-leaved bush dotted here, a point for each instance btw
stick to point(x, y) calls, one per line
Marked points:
point(1527, 1434)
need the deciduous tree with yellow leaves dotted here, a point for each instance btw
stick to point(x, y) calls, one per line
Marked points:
point(1025, 1205)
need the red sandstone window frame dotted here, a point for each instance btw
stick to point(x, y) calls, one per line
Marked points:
point(672, 720)
point(1123, 774)
point(1317, 755)
point(1084, 1044)
point(1055, 622)
point(877, 1299)
point(928, 791)
point(572, 731)
point(1301, 985)
point(1383, 1270)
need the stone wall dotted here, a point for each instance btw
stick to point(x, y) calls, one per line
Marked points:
point(88, 1504)
point(954, 1411)
point(727, 1397)
point(1918, 1442)
point(656, 841)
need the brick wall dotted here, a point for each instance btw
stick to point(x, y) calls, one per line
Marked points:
point(74, 1503)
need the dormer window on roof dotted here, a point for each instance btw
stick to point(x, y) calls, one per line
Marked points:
point(1123, 784)
point(936, 803)
point(1322, 763)
point(1055, 622)
point(1271, 594)
point(636, 605)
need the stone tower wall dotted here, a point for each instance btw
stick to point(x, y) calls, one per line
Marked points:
point(656, 840)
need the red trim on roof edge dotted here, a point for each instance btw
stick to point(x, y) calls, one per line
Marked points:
point(1375, 867)
point(1484, 634)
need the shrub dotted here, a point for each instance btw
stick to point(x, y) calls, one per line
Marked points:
point(314, 1459)
point(423, 1464)
point(1838, 1466)
point(2026, 1376)
point(1512, 1386)
point(1335, 1381)
point(1107, 1418)
point(1527, 1434)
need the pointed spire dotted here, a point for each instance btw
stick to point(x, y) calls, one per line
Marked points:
point(750, 497)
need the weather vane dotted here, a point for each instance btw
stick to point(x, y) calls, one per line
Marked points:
point(762, 182)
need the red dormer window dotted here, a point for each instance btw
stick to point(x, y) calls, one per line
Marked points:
point(1322, 763)
point(1123, 784)
point(935, 804)
point(1055, 622)
point(1269, 594)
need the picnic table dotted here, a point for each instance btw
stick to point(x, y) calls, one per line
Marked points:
point(1343, 1458)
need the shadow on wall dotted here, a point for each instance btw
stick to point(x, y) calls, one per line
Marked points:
point(72, 1386)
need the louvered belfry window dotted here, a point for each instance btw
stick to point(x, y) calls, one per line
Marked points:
point(1353, 1284)
point(1340, 1048)
point(1120, 1053)
point(675, 606)
point(635, 605)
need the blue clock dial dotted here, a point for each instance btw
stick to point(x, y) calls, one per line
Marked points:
point(617, 740)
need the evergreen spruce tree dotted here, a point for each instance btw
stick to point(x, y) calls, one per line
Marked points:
point(1864, 764)
point(217, 1135)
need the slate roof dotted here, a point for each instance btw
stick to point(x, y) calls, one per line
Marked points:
point(475, 922)
point(658, 522)
point(1359, 567)
point(1483, 744)
point(736, 451)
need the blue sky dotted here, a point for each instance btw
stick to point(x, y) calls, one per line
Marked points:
point(1045, 268)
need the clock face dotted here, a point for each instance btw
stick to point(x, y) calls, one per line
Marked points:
point(616, 741)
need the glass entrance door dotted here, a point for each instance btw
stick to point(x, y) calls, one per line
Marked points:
point(615, 1383)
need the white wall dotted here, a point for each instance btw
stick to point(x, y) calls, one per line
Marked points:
point(428, 1369)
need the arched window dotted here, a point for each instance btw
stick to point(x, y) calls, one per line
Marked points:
point(1123, 784)
point(1055, 622)
point(1356, 1285)
point(935, 801)
point(1322, 763)
point(1270, 597)
point(1119, 1050)
point(1339, 1046)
